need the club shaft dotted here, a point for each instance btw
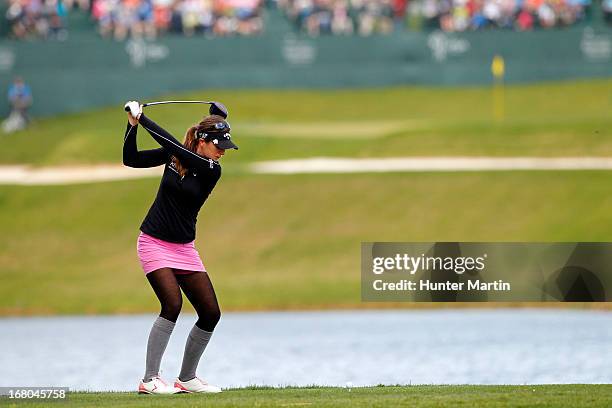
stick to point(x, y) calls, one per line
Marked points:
point(216, 108)
point(167, 102)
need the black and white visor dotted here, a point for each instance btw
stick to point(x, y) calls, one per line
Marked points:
point(221, 140)
point(220, 137)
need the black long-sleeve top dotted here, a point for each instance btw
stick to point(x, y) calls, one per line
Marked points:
point(173, 215)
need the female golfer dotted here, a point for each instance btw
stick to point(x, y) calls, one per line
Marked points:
point(166, 242)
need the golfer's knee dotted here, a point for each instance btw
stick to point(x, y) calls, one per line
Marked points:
point(170, 309)
point(208, 319)
point(215, 317)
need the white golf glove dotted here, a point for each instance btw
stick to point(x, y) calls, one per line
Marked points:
point(134, 108)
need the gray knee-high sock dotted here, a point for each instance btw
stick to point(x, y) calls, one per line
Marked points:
point(158, 340)
point(196, 343)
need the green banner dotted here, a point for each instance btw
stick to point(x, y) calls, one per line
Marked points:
point(86, 71)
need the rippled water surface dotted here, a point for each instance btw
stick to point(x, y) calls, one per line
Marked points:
point(328, 348)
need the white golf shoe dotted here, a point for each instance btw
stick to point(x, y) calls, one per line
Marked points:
point(196, 385)
point(157, 386)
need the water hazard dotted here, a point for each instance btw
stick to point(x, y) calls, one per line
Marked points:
point(519, 346)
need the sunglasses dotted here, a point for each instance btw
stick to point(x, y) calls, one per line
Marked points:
point(222, 125)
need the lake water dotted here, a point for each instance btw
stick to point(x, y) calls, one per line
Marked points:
point(522, 346)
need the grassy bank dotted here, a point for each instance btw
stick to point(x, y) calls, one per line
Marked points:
point(403, 121)
point(286, 242)
point(275, 242)
point(542, 396)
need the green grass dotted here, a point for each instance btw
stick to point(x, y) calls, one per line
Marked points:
point(541, 396)
point(555, 119)
point(282, 242)
point(275, 242)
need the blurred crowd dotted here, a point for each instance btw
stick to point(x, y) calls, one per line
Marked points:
point(39, 18)
point(521, 15)
point(363, 17)
point(120, 19)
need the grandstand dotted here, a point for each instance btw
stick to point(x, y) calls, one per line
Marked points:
point(121, 19)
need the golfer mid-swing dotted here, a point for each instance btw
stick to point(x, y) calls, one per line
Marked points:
point(166, 242)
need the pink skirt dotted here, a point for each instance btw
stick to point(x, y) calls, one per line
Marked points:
point(155, 253)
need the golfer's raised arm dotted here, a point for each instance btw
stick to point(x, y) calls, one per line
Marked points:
point(173, 146)
point(140, 159)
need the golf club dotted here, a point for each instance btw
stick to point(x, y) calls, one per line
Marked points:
point(216, 108)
